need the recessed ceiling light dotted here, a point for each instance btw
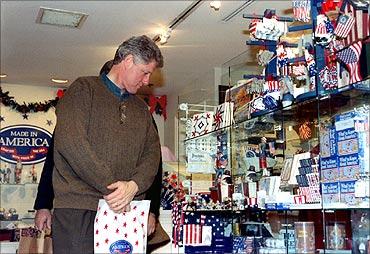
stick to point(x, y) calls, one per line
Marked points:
point(3, 75)
point(60, 17)
point(59, 81)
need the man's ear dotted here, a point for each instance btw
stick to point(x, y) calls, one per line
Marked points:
point(128, 61)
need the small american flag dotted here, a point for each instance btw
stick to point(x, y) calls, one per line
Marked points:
point(344, 26)
point(350, 56)
point(177, 221)
point(361, 28)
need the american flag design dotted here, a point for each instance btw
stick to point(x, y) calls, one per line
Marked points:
point(272, 86)
point(302, 10)
point(311, 65)
point(282, 61)
point(324, 26)
point(177, 222)
point(361, 28)
point(344, 25)
point(253, 27)
point(216, 233)
point(121, 233)
point(193, 233)
point(350, 57)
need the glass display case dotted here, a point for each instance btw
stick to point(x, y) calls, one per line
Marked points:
point(292, 179)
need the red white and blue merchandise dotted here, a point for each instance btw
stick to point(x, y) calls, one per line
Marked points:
point(201, 124)
point(121, 233)
point(253, 27)
point(302, 10)
point(216, 233)
point(324, 32)
point(329, 77)
point(344, 25)
point(359, 10)
point(350, 57)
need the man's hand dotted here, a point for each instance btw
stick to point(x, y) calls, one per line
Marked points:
point(123, 193)
point(152, 220)
point(43, 219)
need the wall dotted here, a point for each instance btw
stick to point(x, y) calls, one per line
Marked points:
point(21, 196)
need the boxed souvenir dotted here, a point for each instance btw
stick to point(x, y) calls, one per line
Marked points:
point(330, 193)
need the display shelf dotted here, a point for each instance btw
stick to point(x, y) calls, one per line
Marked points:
point(277, 156)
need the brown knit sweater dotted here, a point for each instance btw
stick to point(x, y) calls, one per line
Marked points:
point(92, 149)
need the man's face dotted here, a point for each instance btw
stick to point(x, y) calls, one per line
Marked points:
point(138, 75)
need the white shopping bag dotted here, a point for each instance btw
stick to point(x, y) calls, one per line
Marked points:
point(121, 233)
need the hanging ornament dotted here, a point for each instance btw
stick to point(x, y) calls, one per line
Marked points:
point(324, 32)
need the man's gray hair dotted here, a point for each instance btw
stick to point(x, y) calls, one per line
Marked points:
point(142, 48)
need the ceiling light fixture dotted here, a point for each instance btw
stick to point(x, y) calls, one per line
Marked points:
point(58, 17)
point(176, 21)
point(3, 75)
point(59, 81)
point(215, 5)
point(164, 36)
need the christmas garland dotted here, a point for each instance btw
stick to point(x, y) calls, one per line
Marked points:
point(157, 104)
point(25, 108)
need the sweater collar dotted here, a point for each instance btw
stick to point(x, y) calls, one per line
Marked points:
point(122, 94)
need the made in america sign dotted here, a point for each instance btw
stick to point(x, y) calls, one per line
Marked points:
point(27, 143)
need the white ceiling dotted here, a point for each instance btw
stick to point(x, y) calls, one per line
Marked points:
point(31, 53)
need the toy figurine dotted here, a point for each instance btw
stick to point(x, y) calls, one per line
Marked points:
point(33, 174)
point(18, 171)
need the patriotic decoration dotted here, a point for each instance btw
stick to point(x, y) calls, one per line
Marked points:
point(329, 77)
point(299, 199)
point(311, 65)
point(359, 10)
point(350, 57)
point(282, 61)
point(172, 189)
point(324, 32)
point(223, 115)
point(195, 233)
point(177, 222)
point(121, 233)
point(201, 124)
point(302, 10)
point(344, 25)
point(253, 26)
point(270, 29)
point(216, 231)
point(272, 86)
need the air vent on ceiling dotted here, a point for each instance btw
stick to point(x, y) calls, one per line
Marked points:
point(58, 17)
point(237, 10)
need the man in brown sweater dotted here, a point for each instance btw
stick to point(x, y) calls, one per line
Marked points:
point(105, 145)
